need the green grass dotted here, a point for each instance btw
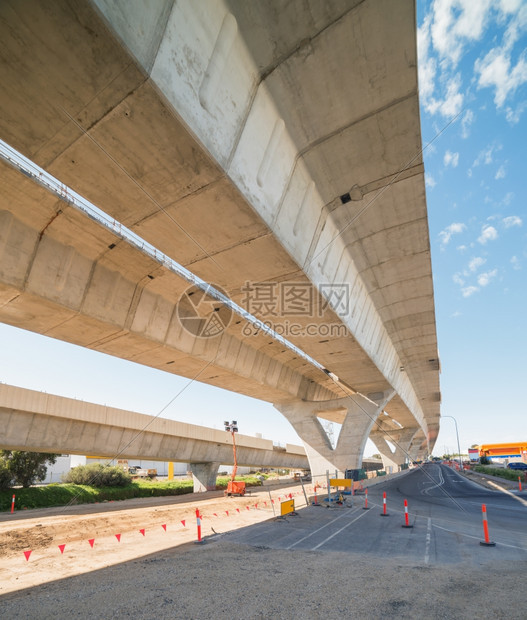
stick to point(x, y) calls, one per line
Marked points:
point(508, 474)
point(62, 494)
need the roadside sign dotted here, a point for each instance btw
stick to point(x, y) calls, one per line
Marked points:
point(287, 507)
point(340, 482)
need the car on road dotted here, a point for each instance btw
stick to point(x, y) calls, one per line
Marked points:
point(521, 466)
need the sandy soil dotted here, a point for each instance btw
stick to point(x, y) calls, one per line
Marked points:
point(120, 531)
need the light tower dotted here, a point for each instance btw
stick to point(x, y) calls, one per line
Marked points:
point(233, 487)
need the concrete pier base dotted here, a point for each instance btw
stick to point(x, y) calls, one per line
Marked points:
point(356, 413)
point(204, 476)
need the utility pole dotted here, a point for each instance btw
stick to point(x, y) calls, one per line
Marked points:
point(457, 435)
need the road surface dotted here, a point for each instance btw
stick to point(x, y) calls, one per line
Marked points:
point(444, 508)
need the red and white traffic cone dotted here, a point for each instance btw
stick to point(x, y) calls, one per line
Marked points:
point(487, 542)
point(198, 522)
point(519, 483)
point(406, 521)
point(384, 513)
point(365, 507)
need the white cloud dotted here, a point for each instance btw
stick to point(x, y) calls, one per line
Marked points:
point(500, 174)
point(476, 263)
point(453, 229)
point(462, 248)
point(512, 220)
point(485, 278)
point(447, 32)
point(458, 279)
point(451, 159)
point(508, 198)
point(486, 155)
point(513, 116)
point(466, 121)
point(488, 233)
point(455, 22)
point(510, 6)
point(495, 71)
point(427, 65)
point(429, 180)
point(469, 290)
point(515, 262)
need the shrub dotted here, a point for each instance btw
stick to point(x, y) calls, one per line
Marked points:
point(501, 472)
point(98, 475)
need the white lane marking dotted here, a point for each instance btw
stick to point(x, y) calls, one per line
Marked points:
point(440, 483)
point(428, 540)
point(338, 531)
point(501, 544)
point(497, 486)
point(317, 530)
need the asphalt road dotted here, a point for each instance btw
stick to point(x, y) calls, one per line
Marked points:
point(444, 508)
point(325, 563)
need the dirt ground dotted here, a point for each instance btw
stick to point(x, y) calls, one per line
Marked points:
point(157, 571)
point(120, 531)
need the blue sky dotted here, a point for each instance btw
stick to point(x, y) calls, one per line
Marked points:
point(473, 68)
point(473, 88)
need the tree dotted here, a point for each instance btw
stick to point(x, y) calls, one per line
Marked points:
point(6, 477)
point(26, 468)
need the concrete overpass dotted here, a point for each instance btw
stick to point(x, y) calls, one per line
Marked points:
point(40, 422)
point(266, 147)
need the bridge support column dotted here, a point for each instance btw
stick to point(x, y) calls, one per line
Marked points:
point(357, 415)
point(204, 476)
point(401, 439)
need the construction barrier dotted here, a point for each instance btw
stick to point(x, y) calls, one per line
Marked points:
point(287, 507)
point(487, 542)
point(384, 513)
point(406, 521)
point(198, 521)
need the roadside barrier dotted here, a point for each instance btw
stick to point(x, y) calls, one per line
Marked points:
point(384, 513)
point(486, 542)
point(406, 521)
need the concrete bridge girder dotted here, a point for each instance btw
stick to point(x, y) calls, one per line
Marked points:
point(40, 422)
point(358, 416)
point(93, 301)
point(234, 148)
point(401, 441)
point(246, 119)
